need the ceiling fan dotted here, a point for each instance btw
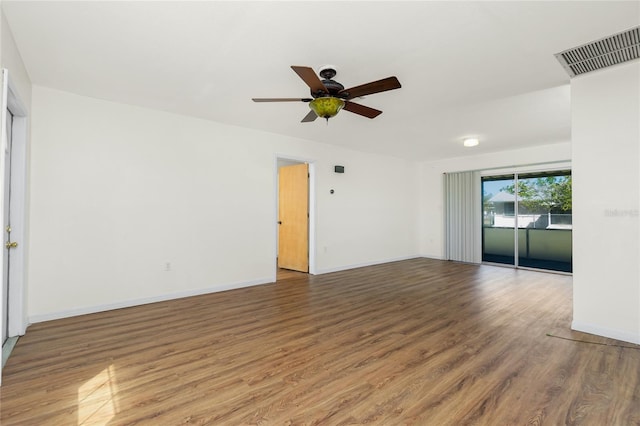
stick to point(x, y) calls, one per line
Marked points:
point(328, 96)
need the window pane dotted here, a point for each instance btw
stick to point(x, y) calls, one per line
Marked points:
point(545, 221)
point(498, 226)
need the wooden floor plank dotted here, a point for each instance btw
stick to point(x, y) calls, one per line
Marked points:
point(421, 342)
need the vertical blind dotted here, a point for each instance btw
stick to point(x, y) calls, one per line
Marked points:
point(463, 217)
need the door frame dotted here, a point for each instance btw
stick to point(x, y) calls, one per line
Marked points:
point(312, 208)
point(16, 297)
point(516, 171)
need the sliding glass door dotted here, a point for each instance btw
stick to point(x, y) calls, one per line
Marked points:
point(498, 220)
point(527, 220)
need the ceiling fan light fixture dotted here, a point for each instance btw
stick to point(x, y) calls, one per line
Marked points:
point(326, 107)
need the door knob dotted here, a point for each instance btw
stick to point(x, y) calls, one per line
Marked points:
point(279, 222)
point(10, 245)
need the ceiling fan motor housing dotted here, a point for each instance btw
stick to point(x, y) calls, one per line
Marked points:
point(332, 86)
point(327, 73)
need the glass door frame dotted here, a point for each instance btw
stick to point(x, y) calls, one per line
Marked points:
point(516, 176)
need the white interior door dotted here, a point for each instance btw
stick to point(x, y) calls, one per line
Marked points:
point(8, 244)
point(13, 177)
point(17, 313)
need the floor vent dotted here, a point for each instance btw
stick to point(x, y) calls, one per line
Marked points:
point(616, 49)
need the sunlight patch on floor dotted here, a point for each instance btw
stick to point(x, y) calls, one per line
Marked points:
point(97, 398)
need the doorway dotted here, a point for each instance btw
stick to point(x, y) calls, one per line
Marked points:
point(295, 202)
point(13, 320)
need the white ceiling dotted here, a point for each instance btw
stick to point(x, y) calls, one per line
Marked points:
point(467, 68)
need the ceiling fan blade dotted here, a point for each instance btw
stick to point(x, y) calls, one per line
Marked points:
point(309, 76)
point(383, 85)
point(309, 117)
point(361, 110)
point(281, 99)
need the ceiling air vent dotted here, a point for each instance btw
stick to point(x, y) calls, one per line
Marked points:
point(603, 53)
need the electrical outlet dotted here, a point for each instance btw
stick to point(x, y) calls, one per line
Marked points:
point(167, 266)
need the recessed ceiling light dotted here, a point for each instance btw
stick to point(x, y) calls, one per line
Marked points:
point(471, 142)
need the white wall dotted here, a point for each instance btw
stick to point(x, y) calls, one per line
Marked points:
point(12, 61)
point(606, 202)
point(119, 191)
point(431, 222)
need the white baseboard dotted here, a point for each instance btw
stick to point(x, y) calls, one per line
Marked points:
point(625, 336)
point(362, 265)
point(136, 302)
point(178, 295)
point(432, 256)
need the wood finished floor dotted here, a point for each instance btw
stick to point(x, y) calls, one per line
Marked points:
point(420, 342)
